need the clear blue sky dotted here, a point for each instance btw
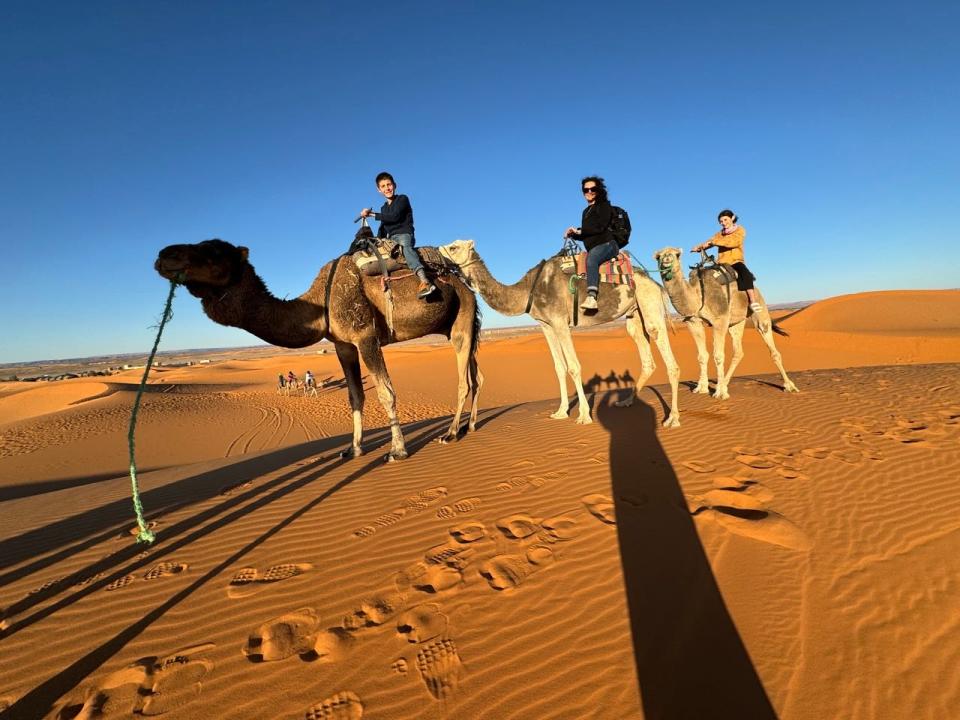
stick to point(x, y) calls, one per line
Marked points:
point(831, 128)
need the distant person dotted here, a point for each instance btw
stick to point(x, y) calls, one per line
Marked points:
point(281, 381)
point(396, 223)
point(308, 379)
point(595, 233)
point(291, 379)
point(729, 241)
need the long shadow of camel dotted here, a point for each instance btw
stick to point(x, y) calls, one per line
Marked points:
point(39, 701)
point(690, 659)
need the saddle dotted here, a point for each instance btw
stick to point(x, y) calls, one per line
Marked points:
point(618, 271)
point(375, 256)
point(722, 273)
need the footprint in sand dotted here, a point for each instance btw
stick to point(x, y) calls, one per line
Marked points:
point(757, 462)
point(135, 530)
point(518, 526)
point(230, 489)
point(601, 507)
point(344, 705)
point(505, 572)
point(375, 610)
point(422, 623)
point(748, 516)
point(468, 532)
point(297, 633)
point(247, 581)
point(150, 686)
point(120, 582)
point(461, 507)
point(425, 498)
point(540, 555)
point(817, 453)
point(440, 667)
point(851, 457)
point(698, 467)
point(165, 569)
point(400, 666)
point(429, 578)
point(561, 527)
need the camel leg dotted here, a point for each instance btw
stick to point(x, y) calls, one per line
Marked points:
point(350, 364)
point(372, 356)
point(560, 366)
point(573, 369)
point(647, 365)
point(766, 332)
point(695, 325)
point(476, 382)
point(461, 345)
point(654, 322)
point(719, 352)
point(736, 339)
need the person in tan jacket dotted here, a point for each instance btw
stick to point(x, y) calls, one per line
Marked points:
point(729, 241)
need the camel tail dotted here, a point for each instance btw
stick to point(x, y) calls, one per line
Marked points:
point(475, 335)
point(778, 330)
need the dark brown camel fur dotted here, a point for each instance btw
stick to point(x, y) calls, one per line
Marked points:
point(233, 294)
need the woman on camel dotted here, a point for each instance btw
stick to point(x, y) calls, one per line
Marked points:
point(729, 241)
point(595, 232)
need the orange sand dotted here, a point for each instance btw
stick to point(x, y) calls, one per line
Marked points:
point(787, 554)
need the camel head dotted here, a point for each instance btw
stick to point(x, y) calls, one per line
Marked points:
point(668, 262)
point(204, 268)
point(460, 252)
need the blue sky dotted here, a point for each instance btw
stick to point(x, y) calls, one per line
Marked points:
point(127, 126)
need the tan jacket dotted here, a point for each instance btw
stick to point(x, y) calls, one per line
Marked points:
point(730, 246)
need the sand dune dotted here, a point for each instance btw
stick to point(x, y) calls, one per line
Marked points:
point(917, 312)
point(789, 556)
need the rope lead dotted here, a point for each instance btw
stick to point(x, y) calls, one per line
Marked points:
point(145, 535)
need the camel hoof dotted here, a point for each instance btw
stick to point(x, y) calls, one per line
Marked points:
point(672, 421)
point(721, 395)
point(560, 415)
point(791, 388)
point(447, 439)
point(472, 427)
point(584, 420)
point(351, 452)
point(702, 390)
point(395, 455)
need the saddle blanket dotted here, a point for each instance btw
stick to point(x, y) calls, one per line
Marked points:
point(618, 271)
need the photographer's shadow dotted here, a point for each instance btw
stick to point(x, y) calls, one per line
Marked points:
point(691, 661)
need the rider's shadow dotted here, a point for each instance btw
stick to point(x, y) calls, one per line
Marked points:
point(690, 659)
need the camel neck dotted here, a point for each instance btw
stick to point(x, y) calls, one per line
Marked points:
point(248, 304)
point(685, 298)
point(507, 299)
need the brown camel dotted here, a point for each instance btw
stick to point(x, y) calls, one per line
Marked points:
point(342, 305)
point(725, 311)
point(550, 303)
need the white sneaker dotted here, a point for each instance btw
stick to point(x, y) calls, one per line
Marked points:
point(755, 307)
point(589, 304)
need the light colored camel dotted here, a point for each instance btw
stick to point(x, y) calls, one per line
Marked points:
point(725, 311)
point(342, 305)
point(545, 295)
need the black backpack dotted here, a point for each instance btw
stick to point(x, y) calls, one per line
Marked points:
point(620, 226)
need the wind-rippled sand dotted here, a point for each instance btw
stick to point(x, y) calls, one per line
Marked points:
point(788, 554)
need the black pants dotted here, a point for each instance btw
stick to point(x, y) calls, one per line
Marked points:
point(745, 278)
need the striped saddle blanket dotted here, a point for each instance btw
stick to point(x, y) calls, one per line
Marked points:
point(618, 271)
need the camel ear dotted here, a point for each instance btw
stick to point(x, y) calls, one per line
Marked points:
point(656, 255)
point(470, 244)
point(244, 252)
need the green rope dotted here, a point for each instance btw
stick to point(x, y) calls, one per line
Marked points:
point(145, 535)
point(572, 283)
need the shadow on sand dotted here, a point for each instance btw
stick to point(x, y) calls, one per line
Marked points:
point(690, 659)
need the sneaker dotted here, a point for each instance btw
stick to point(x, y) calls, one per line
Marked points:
point(590, 303)
point(755, 307)
point(425, 289)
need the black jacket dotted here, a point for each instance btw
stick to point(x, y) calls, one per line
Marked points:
point(595, 224)
point(395, 218)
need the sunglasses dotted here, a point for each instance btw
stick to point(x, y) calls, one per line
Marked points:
point(592, 189)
